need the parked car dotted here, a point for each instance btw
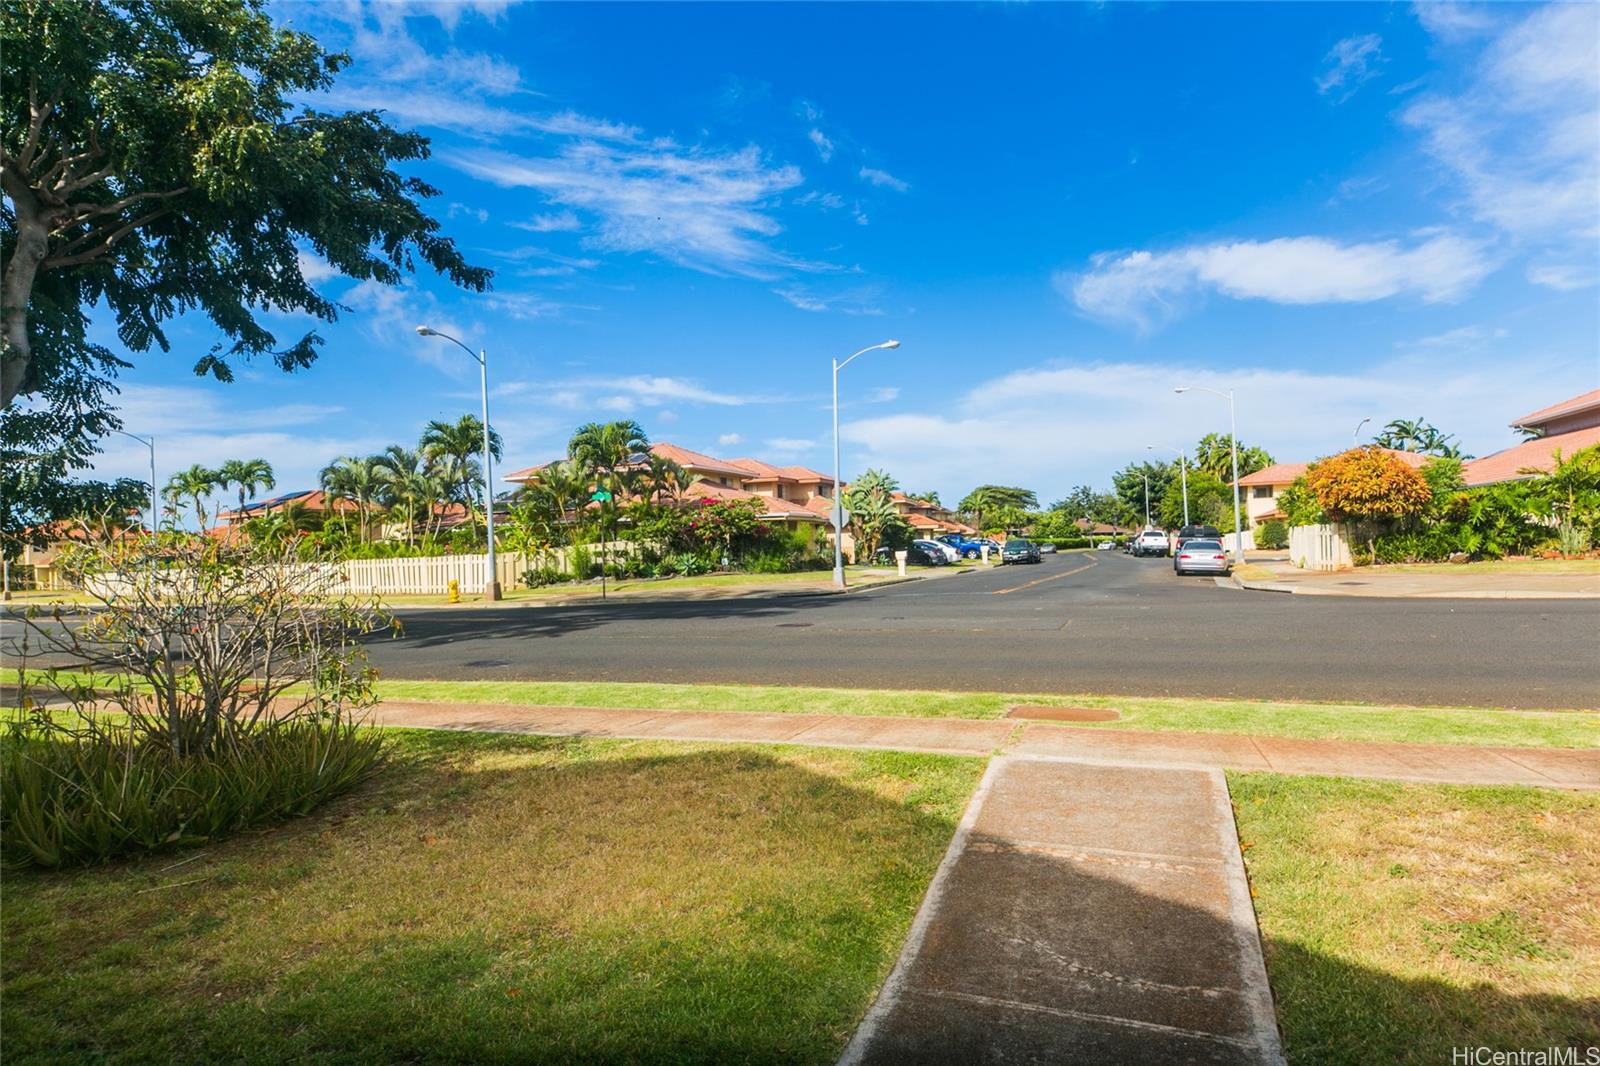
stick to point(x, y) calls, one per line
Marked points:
point(948, 551)
point(1047, 547)
point(1151, 542)
point(1201, 557)
point(1188, 533)
point(915, 555)
point(1019, 550)
point(968, 547)
point(1105, 546)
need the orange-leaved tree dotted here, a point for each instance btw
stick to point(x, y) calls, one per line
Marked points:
point(1370, 483)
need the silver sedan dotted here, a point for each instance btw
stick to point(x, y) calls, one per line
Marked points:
point(1201, 557)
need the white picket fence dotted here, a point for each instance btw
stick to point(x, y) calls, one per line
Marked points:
point(1320, 547)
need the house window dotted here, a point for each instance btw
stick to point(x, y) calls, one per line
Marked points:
point(1262, 492)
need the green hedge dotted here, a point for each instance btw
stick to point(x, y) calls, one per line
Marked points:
point(1068, 543)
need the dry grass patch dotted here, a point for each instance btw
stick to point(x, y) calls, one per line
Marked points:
point(1403, 920)
point(503, 898)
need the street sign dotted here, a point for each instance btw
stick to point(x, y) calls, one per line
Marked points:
point(600, 496)
point(839, 516)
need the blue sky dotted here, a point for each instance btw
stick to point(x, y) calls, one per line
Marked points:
point(1340, 211)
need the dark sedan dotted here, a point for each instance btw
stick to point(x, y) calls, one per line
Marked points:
point(1019, 550)
point(915, 556)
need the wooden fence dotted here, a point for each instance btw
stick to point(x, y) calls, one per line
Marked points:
point(1320, 547)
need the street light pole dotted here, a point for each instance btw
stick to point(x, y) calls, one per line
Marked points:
point(1355, 438)
point(491, 581)
point(1233, 440)
point(148, 442)
point(838, 502)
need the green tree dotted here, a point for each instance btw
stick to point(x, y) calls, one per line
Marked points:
point(985, 499)
point(1214, 455)
point(874, 520)
point(249, 476)
point(1129, 483)
point(462, 442)
point(354, 480)
point(166, 156)
point(1417, 435)
point(196, 485)
point(1210, 502)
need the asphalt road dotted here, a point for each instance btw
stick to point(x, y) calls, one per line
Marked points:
point(1078, 623)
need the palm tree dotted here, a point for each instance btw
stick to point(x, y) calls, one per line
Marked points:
point(986, 499)
point(249, 475)
point(461, 441)
point(195, 484)
point(358, 481)
point(609, 448)
point(406, 485)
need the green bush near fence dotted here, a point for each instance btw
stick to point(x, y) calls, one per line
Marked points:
point(1273, 533)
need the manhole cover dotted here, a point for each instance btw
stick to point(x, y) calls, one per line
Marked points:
point(488, 662)
point(1063, 714)
point(793, 625)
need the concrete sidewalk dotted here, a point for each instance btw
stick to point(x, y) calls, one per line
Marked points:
point(1082, 914)
point(1441, 582)
point(1437, 763)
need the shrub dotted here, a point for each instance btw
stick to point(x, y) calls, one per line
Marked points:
point(1273, 533)
point(70, 798)
point(1368, 483)
point(1429, 545)
point(229, 682)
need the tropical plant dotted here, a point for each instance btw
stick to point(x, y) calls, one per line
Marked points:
point(410, 489)
point(1417, 435)
point(225, 694)
point(1299, 504)
point(195, 484)
point(1273, 533)
point(461, 442)
point(1571, 489)
point(249, 476)
point(1214, 456)
point(358, 481)
point(874, 520)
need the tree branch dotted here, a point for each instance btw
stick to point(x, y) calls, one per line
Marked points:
point(79, 212)
point(35, 124)
point(58, 261)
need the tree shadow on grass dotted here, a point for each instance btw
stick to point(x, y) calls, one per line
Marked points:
point(498, 899)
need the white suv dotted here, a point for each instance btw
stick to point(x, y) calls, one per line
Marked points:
point(1151, 542)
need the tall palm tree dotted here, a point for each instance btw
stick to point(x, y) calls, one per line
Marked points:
point(355, 480)
point(249, 476)
point(406, 485)
point(462, 441)
point(609, 449)
point(195, 484)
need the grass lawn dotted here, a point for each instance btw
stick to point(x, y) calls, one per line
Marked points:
point(1403, 920)
point(506, 899)
point(1433, 725)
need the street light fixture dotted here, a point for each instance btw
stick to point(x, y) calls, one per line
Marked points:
point(148, 442)
point(491, 581)
point(1233, 440)
point(838, 503)
point(1355, 438)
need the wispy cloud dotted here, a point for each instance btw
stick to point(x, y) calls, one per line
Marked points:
point(727, 440)
point(558, 222)
point(1349, 63)
point(861, 300)
point(701, 208)
point(1521, 140)
point(820, 141)
point(1148, 288)
point(883, 179)
point(790, 445)
point(625, 392)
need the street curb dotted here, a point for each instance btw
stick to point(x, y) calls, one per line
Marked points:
point(596, 599)
point(1464, 594)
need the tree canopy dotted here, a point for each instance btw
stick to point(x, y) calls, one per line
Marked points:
point(985, 500)
point(1368, 483)
point(155, 164)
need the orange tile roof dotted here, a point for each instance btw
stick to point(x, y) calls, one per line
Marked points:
point(685, 457)
point(1276, 474)
point(774, 506)
point(1537, 454)
point(1581, 402)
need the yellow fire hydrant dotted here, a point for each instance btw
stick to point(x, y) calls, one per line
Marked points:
point(455, 591)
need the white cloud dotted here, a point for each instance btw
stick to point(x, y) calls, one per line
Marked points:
point(314, 268)
point(1061, 425)
point(704, 209)
point(828, 201)
point(1565, 277)
point(560, 221)
point(1453, 21)
point(628, 392)
point(1349, 63)
point(883, 179)
point(823, 145)
point(1522, 140)
point(885, 394)
point(727, 440)
point(790, 445)
point(1147, 288)
point(861, 300)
